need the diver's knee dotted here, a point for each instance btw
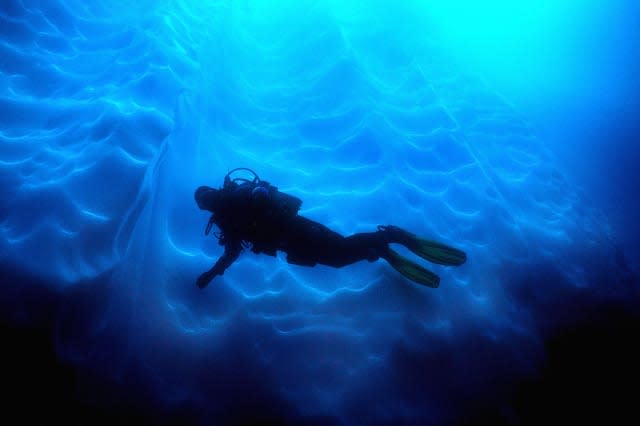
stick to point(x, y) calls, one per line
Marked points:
point(300, 260)
point(374, 254)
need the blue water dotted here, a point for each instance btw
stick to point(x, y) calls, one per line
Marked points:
point(522, 153)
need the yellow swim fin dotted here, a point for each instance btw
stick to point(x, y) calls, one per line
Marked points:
point(436, 252)
point(411, 270)
point(432, 251)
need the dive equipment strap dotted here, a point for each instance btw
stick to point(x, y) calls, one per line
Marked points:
point(209, 225)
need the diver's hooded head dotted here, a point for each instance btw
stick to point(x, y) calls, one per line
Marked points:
point(207, 198)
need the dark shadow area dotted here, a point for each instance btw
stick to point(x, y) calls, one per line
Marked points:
point(38, 386)
point(41, 387)
point(589, 371)
point(591, 352)
point(589, 378)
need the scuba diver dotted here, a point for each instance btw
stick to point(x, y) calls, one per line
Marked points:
point(254, 214)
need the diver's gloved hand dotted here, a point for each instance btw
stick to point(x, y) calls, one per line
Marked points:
point(205, 279)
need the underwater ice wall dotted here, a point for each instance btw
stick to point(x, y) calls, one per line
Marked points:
point(87, 97)
point(113, 114)
point(80, 122)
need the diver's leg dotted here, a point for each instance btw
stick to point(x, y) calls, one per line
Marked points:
point(354, 248)
point(310, 243)
point(372, 246)
point(315, 243)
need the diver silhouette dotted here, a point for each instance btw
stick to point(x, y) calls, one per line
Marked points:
point(255, 214)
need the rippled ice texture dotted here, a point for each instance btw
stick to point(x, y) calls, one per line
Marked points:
point(112, 113)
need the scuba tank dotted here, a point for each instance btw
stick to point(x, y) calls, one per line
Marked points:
point(284, 204)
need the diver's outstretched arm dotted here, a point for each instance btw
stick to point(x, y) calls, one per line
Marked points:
point(231, 252)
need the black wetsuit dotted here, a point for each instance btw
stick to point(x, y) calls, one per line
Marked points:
point(259, 220)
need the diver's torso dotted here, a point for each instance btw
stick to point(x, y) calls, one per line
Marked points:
point(242, 217)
